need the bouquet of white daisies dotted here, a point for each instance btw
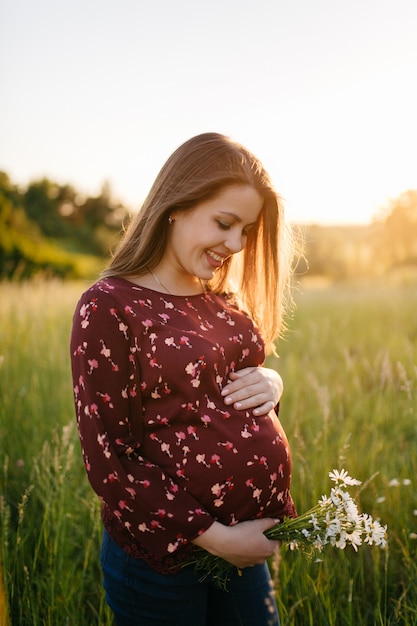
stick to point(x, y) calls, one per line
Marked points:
point(334, 520)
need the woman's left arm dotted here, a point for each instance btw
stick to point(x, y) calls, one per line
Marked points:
point(257, 388)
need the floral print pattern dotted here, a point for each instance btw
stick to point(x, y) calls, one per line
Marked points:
point(161, 449)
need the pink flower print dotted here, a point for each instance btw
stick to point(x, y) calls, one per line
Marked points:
point(103, 443)
point(93, 363)
point(180, 437)
point(195, 513)
point(144, 483)
point(111, 478)
point(165, 447)
point(123, 505)
point(245, 353)
point(165, 317)
point(191, 369)
point(228, 445)
point(129, 310)
point(152, 361)
point(206, 419)
point(192, 430)
point(172, 547)
point(106, 399)
point(170, 341)
point(201, 458)
point(155, 524)
point(215, 460)
point(144, 303)
point(185, 341)
point(131, 492)
point(81, 349)
point(94, 409)
point(189, 406)
point(123, 328)
point(210, 404)
point(254, 427)
point(257, 494)
point(259, 461)
point(216, 489)
point(147, 324)
point(244, 433)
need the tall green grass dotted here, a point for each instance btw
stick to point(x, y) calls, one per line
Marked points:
point(50, 528)
point(349, 364)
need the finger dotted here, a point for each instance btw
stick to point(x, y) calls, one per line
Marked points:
point(249, 381)
point(243, 372)
point(264, 409)
point(247, 398)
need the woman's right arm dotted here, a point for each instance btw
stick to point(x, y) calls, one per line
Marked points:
point(107, 392)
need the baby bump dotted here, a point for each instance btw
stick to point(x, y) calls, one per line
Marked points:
point(238, 468)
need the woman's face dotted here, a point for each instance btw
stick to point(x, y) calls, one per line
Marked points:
point(203, 238)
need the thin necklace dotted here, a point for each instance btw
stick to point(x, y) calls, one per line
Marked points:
point(161, 284)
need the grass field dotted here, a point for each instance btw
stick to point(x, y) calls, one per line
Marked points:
point(349, 363)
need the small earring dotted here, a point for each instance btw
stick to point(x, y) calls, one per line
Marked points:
point(170, 219)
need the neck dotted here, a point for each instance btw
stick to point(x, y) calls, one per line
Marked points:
point(195, 288)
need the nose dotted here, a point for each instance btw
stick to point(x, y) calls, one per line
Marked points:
point(235, 241)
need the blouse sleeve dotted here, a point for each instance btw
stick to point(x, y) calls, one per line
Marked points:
point(151, 506)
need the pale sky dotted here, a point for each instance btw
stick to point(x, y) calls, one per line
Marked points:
point(323, 91)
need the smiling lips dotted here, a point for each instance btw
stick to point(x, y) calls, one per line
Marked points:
point(215, 259)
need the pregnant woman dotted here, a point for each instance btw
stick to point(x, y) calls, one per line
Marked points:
point(175, 410)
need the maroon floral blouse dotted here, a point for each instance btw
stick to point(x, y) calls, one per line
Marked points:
point(163, 452)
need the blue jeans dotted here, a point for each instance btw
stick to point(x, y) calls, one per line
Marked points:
point(140, 596)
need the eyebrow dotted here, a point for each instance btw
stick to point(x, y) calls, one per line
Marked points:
point(236, 217)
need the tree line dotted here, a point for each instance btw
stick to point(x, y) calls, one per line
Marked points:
point(53, 230)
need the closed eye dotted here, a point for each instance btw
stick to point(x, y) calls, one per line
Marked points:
point(223, 225)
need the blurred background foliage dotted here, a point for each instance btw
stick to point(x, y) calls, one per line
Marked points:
point(53, 230)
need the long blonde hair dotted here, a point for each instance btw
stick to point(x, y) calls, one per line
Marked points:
point(195, 172)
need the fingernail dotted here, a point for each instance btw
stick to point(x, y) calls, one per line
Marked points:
point(238, 405)
point(228, 400)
